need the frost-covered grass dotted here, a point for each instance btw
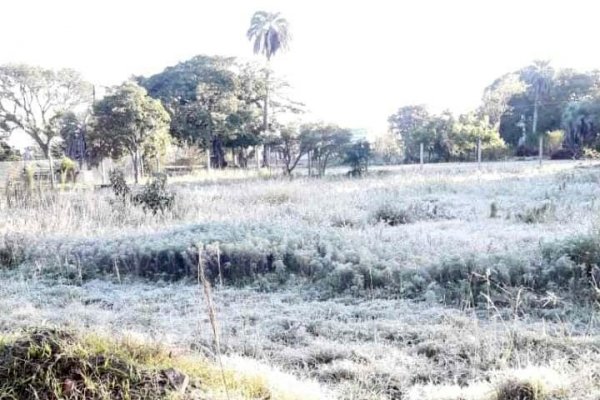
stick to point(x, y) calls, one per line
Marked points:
point(355, 348)
point(401, 230)
point(442, 283)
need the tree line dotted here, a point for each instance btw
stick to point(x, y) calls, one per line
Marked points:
point(521, 111)
point(216, 104)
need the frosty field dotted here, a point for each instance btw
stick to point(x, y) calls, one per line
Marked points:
point(448, 282)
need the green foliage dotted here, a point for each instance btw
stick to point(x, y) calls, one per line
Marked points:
point(34, 98)
point(591, 154)
point(554, 140)
point(554, 100)
point(443, 137)
point(12, 252)
point(213, 102)
point(124, 121)
point(8, 153)
point(68, 168)
point(388, 149)
point(119, 185)
point(270, 33)
point(155, 197)
point(324, 141)
point(396, 214)
point(357, 156)
point(58, 364)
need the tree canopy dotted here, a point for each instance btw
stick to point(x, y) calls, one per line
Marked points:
point(33, 98)
point(124, 121)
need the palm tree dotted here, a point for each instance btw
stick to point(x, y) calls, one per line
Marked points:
point(539, 76)
point(270, 33)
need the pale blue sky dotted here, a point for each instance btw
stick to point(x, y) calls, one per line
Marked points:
point(351, 62)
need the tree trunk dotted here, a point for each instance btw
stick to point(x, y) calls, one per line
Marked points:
point(535, 114)
point(218, 153)
point(266, 117)
point(135, 160)
point(51, 162)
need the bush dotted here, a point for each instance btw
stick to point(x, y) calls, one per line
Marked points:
point(392, 214)
point(537, 214)
point(565, 154)
point(68, 169)
point(12, 252)
point(155, 197)
point(119, 184)
point(591, 154)
point(554, 140)
point(357, 156)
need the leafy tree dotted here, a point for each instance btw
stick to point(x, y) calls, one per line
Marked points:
point(468, 130)
point(33, 98)
point(213, 102)
point(124, 121)
point(409, 123)
point(497, 96)
point(291, 146)
point(72, 131)
point(324, 141)
point(357, 156)
point(155, 149)
point(388, 148)
point(270, 34)
point(581, 120)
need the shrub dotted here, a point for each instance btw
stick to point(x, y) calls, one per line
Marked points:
point(119, 184)
point(393, 215)
point(565, 154)
point(155, 196)
point(357, 156)
point(12, 252)
point(68, 168)
point(554, 140)
point(521, 390)
point(591, 154)
point(537, 214)
point(493, 210)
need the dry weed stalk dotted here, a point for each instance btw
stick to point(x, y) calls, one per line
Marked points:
point(212, 315)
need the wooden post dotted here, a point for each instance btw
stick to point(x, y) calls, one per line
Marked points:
point(256, 157)
point(103, 171)
point(541, 150)
point(207, 159)
point(52, 180)
point(478, 152)
point(421, 148)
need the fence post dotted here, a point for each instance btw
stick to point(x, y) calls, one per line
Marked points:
point(421, 155)
point(541, 150)
point(478, 152)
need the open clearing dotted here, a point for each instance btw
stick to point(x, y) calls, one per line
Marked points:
point(445, 283)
